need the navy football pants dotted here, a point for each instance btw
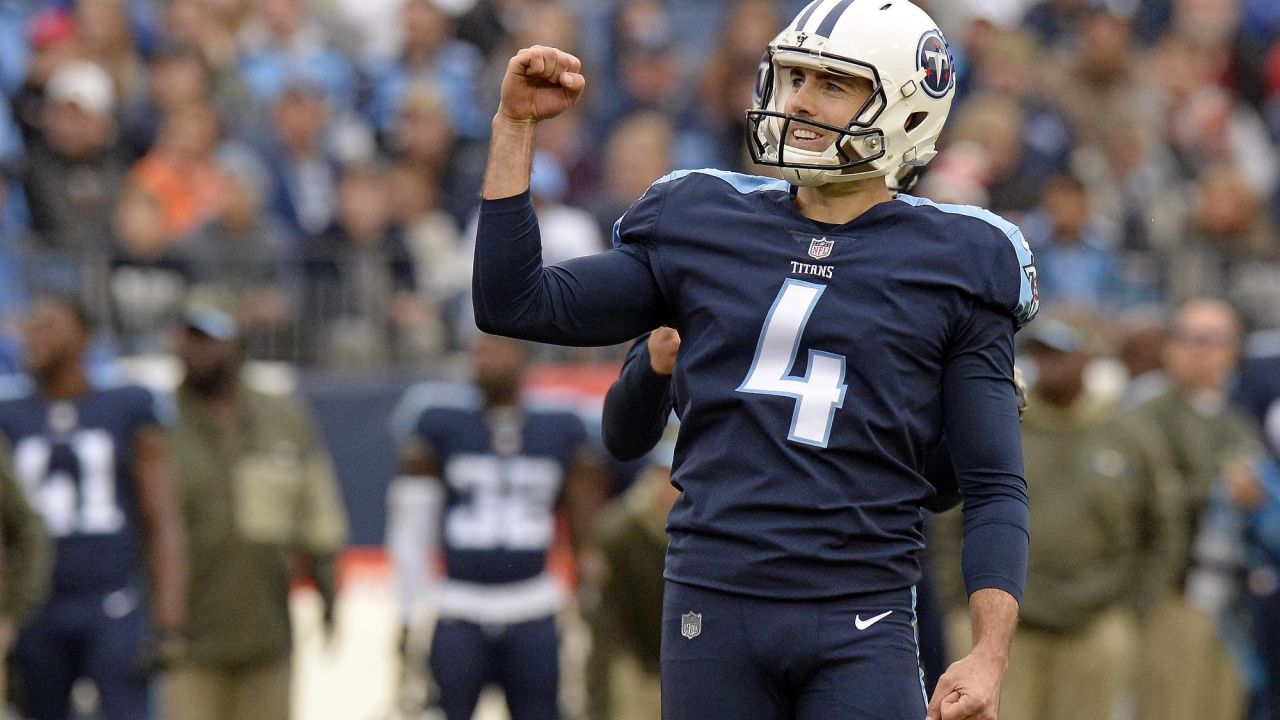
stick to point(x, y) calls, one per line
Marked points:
point(71, 638)
point(523, 658)
point(730, 657)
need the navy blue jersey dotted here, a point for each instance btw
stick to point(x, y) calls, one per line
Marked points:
point(75, 460)
point(819, 367)
point(503, 473)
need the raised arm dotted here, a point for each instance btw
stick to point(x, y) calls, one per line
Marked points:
point(541, 82)
point(602, 299)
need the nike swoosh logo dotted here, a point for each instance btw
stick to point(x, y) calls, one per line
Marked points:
point(861, 624)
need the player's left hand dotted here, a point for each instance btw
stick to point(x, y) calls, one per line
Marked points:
point(969, 690)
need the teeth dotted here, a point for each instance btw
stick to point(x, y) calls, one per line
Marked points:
point(805, 135)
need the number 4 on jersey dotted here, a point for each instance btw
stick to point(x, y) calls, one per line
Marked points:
point(822, 388)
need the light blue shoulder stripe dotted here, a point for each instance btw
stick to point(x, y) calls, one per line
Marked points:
point(741, 182)
point(427, 396)
point(744, 184)
point(1028, 295)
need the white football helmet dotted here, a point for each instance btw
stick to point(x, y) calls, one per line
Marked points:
point(892, 43)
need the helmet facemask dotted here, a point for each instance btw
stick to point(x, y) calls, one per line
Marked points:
point(854, 146)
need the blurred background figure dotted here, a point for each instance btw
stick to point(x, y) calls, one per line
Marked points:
point(76, 164)
point(360, 288)
point(481, 473)
point(1185, 670)
point(24, 565)
point(262, 507)
point(1103, 504)
point(95, 463)
point(246, 252)
point(626, 618)
point(146, 278)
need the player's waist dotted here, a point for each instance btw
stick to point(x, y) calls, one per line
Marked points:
point(500, 603)
point(735, 564)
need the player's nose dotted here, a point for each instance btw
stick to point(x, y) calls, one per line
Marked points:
point(800, 102)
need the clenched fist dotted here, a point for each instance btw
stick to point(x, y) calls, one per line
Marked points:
point(541, 82)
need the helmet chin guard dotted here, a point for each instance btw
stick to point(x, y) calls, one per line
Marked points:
point(894, 45)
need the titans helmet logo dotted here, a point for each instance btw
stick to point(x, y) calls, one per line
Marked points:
point(933, 56)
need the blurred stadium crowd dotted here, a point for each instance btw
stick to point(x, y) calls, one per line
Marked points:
point(320, 161)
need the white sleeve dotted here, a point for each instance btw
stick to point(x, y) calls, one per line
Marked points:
point(414, 506)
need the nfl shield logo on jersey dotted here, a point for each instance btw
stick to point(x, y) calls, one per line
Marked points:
point(691, 624)
point(819, 249)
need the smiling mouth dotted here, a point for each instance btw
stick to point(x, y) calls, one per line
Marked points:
point(806, 138)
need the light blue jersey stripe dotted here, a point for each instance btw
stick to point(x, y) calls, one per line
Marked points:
point(425, 396)
point(744, 184)
point(1028, 304)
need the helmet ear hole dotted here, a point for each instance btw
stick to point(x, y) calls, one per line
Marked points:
point(914, 120)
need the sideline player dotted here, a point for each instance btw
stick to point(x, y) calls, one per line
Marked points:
point(830, 335)
point(94, 463)
point(480, 478)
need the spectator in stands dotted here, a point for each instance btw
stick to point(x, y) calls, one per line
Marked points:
point(248, 253)
point(1097, 78)
point(281, 41)
point(638, 153)
point(1203, 122)
point(1184, 670)
point(261, 500)
point(24, 563)
point(179, 76)
point(716, 133)
point(1076, 250)
point(1230, 249)
point(361, 300)
point(207, 29)
point(649, 74)
point(180, 169)
point(441, 267)
point(989, 133)
point(107, 38)
point(304, 171)
point(76, 166)
point(571, 232)
point(53, 39)
point(1134, 183)
point(423, 140)
point(147, 279)
point(429, 53)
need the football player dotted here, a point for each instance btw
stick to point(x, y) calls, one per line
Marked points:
point(93, 461)
point(481, 474)
point(831, 334)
